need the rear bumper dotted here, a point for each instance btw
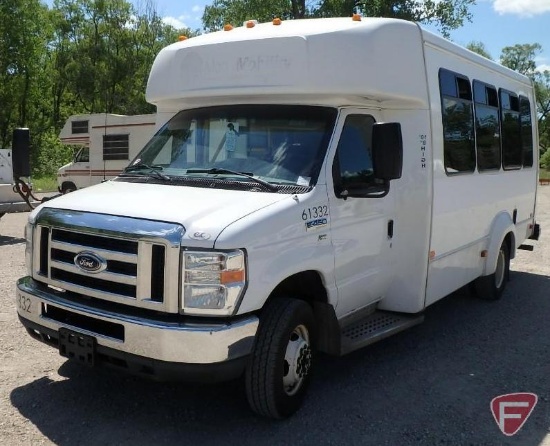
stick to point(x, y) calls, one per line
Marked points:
point(185, 350)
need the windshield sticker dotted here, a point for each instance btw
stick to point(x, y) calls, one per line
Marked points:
point(231, 136)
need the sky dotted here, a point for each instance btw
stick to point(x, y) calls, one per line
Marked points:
point(496, 23)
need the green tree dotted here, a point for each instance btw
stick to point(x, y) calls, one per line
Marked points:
point(23, 36)
point(542, 89)
point(521, 57)
point(446, 14)
point(479, 48)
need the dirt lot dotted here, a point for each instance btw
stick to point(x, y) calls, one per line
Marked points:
point(429, 385)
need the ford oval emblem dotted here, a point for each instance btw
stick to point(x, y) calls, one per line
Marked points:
point(90, 262)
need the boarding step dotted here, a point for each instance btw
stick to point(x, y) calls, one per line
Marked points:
point(375, 327)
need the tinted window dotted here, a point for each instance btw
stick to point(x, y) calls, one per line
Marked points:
point(458, 124)
point(526, 131)
point(487, 127)
point(447, 81)
point(512, 156)
point(353, 163)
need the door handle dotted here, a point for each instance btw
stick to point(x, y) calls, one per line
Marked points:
point(390, 229)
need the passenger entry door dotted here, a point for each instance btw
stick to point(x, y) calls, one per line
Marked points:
point(361, 216)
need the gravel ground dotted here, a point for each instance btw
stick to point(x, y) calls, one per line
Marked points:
point(429, 385)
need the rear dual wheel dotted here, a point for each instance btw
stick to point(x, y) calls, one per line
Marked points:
point(280, 365)
point(492, 286)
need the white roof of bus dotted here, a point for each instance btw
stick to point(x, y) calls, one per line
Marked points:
point(376, 59)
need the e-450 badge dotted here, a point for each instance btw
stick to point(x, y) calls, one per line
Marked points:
point(316, 224)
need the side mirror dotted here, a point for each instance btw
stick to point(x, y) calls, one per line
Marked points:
point(387, 150)
point(21, 153)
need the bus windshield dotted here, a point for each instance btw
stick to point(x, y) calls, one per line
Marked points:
point(279, 144)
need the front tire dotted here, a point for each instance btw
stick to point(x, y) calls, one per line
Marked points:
point(492, 286)
point(279, 369)
point(67, 188)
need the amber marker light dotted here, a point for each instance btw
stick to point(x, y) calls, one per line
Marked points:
point(277, 21)
point(250, 24)
point(232, 276)
point(356, 17)
point(182, 38)
point(227, 27)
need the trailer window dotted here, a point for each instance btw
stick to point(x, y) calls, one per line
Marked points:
point(526, 131)
point(512, 156)
point(458, 123)
point(115, 147)
point(487, 127)
point(78, 127)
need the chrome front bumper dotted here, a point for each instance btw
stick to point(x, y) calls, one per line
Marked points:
point(191, 342)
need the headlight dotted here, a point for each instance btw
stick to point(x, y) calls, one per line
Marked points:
point(213, 282)
point(28, 247)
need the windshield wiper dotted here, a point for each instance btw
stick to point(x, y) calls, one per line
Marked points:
point(153, 171)
point(217, 170)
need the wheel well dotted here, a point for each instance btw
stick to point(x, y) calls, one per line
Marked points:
point(306, 285)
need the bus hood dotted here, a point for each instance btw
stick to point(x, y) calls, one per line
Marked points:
point(199, 210)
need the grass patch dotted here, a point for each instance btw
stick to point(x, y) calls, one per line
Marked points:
point(44, 184)
point(545, 174)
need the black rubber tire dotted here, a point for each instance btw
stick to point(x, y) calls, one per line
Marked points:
point(265, 369)
point(486, 287)
point(67, 188)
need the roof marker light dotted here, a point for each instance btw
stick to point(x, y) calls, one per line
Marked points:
point(356, 18)
point(251, 23)
point(277, 21)
point(182, 38)
point(227, 27)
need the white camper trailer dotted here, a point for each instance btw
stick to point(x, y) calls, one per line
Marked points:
point(106, 144)
point(321, 183)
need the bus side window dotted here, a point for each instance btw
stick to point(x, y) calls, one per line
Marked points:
point(526, 131)
point(458, 122)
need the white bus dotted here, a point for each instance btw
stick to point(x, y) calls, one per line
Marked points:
point(105, 144)
point(321, 183)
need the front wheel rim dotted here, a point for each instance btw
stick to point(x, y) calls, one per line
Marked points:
point(297, 360)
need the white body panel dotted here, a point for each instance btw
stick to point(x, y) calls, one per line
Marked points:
point(85, 171)
point(465, 207)
point(384, 68)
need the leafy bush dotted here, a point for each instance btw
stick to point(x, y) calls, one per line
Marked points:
point(545, 160)
point(48, 154)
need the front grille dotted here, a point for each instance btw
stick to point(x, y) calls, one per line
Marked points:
point(135, 264)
